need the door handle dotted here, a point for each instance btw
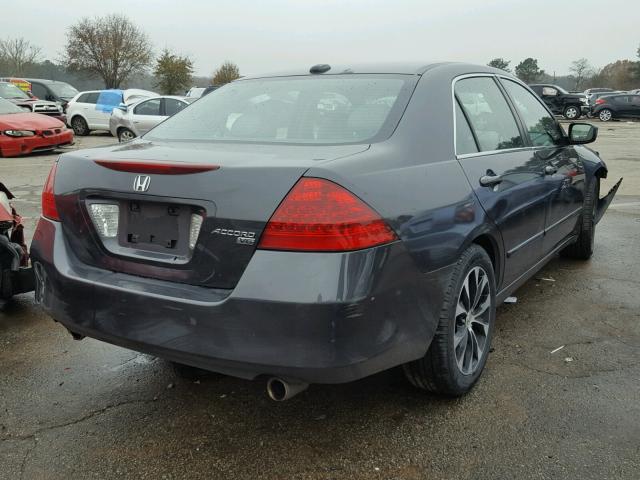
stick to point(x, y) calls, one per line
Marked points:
point(550, 170)
point(490, 180)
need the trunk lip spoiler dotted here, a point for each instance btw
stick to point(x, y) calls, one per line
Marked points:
point(156, 167)
point(604, 202)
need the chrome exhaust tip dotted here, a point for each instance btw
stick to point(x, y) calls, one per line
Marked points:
point(280, 390)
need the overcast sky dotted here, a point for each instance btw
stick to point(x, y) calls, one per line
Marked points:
point(271, 35)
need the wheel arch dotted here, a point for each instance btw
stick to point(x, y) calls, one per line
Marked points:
point(489, 244)
point(76, 115)
point(490, 240)
point(121, 128)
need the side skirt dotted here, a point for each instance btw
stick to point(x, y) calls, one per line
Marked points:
point(505, 292)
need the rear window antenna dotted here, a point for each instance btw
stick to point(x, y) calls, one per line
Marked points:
point(320, 68)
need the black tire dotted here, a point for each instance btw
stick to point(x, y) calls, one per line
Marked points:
point(582, 249)
point(6, 290)
point(438, 371)
point(191, 373)
point(80, 126)
point(571, 112)
point(125, 135)
point(605, 115)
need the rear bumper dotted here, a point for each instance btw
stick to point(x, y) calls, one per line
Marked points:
point(11, 147)
point(318, 318)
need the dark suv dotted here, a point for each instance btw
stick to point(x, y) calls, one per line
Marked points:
point(570, 105)
point(52, 90)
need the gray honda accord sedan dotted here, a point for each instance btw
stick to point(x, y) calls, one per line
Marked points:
point(322, 225)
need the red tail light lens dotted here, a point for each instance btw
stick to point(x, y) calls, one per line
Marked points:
point(49, 209)
point(600, 101)
point(319, 215)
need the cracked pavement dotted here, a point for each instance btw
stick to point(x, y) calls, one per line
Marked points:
point(87, 409)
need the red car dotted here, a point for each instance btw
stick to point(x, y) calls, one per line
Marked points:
point(23, 132)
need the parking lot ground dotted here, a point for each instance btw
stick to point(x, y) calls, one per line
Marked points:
point(86, 409)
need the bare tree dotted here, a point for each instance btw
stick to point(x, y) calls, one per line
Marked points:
point(112, 48)
point(227, 72)
point(581, 69)
point(18, 53)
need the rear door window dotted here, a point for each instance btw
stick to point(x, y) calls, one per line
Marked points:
point(39, 91)
point(173, 106)
point(89, 97)
point(150, 107)
point(542, 128)
point(491, 119)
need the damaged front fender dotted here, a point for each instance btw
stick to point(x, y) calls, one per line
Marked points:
point(604, 202)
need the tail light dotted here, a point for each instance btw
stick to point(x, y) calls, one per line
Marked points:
point(600, 101)
point(319, 215)
point(49, 209)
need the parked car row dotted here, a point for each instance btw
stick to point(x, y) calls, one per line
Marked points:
point(604, 103)
point(125, 113)
point(29, 103)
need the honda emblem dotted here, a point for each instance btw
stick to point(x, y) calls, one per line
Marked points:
point(141, 183)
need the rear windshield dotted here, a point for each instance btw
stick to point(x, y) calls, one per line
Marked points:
point(331, 109)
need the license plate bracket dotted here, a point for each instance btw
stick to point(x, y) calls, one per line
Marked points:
point(155, 227)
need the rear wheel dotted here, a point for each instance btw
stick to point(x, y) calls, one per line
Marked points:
point(582, 249)
point(125, 135)
point(605, 115)
point(79, 126)
point(571, 112)
point(459, 350)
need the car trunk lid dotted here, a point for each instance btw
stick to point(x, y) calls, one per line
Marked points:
point(162, 191)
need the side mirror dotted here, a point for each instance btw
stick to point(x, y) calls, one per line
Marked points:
point(123, 106)
point(581, 133)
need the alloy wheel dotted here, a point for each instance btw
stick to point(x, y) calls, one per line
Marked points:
point(126, 135)
point(472, 317)
point(605, 115)
point(571, 113)
point(79, 126)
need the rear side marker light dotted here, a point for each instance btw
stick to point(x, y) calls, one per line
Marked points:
point(105, 217)
point(157, 168)
point(49, 209)
point(600, 101)
point(319, 215)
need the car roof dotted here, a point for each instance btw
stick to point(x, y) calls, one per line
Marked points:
point(406, 68)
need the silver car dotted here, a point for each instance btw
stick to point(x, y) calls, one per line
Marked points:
point(130, 121)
